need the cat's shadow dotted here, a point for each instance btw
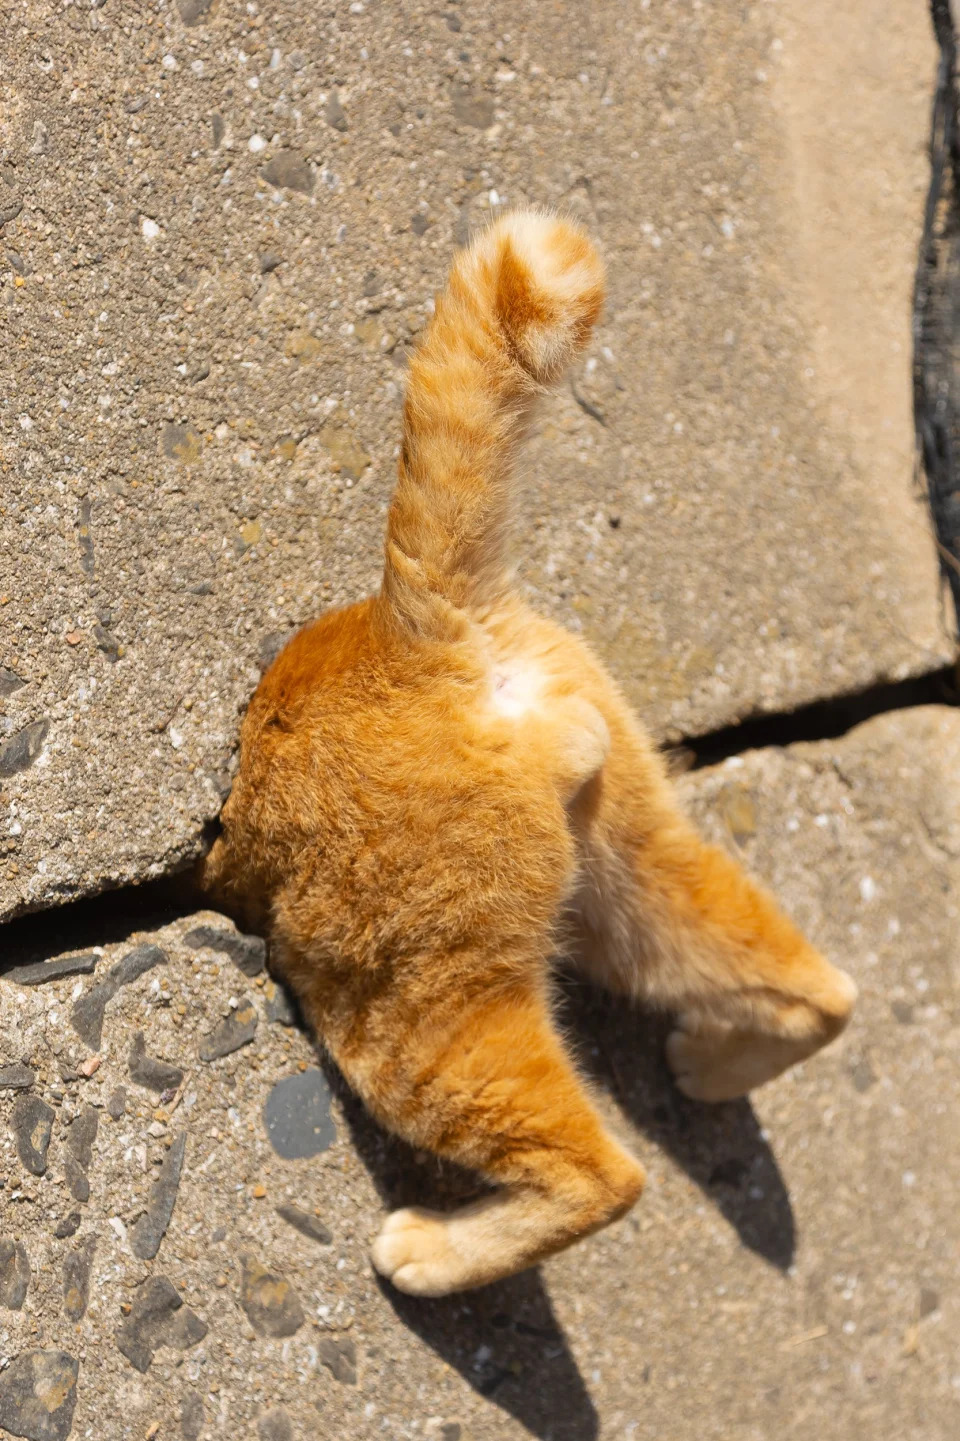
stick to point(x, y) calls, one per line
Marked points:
point(721, 1147)
point(504, 1339)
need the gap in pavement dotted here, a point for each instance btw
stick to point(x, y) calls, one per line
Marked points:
point(115, 915)
point(822, 720)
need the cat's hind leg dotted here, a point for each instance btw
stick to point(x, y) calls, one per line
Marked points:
point(566, 738)
point(677, 922)
point(498, 1094)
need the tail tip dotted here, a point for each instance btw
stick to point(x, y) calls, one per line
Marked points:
point(550, 289)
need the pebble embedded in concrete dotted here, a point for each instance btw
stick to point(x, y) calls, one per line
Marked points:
point(158, 1317)
point(38, 1395)
point(236, 1030)
point(148, 1231)
point(32, 1121)
point(297, 1115)
point(270, 1301)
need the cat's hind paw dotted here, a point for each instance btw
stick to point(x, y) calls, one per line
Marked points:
point(722, 1064)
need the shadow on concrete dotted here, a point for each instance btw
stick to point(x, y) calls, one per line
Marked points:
point(504, 1339)
point(107, 919)
point(722, 1148)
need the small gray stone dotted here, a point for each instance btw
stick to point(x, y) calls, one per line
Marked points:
point(272, 1305)
point(22, 749)
point(84, 538)
point(194, 12)
point(117, 1104)
point(14, 1274)
point(9, 681)
point(148, 1071)
point(76, 1280)
point(864, 1076)
point(191, 1416)
point(339, 1355)
point(307, 1225)
point(275, 1425)
point(16, 1078)
point(270, 647)
point(439, 1430)
point(39, 972)
point(346, 453)
point(180, 442)
point(78, 1152)
point(157, 1318)
point(217, 129)
point(472, 109)
point(87, 1015)
point(289, 171)
point(297, 1115)
point(107, 643)
point(335, 113)
point(148, 1231)
point(38, 1393)
point(249, 953)
point(929, 1301)
point(419, 223)
point(269, 261)
point(69, 1226)
point(32, 1122)
point(237, 1030)
point(281, 1007)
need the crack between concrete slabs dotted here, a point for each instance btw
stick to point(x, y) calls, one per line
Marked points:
point(116, 914)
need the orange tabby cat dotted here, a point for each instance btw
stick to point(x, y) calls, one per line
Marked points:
point(435, 782)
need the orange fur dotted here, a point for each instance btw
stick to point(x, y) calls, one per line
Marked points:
point(435, 780)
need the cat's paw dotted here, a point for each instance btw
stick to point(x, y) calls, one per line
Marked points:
point(413, 1252)
point(719, 1063)
point(693, 1061)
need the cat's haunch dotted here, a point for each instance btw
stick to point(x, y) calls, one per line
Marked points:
point(438, 790)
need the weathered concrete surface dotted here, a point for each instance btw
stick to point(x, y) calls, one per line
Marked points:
point(222, 228)
point(791, 1271)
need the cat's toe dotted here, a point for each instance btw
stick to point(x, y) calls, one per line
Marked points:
point(699, 1068)
point(720, 1063)
point(681, 1059)
point(413, 1253)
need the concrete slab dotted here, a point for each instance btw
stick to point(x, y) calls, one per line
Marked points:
point(790, 1272)
point(222, 227)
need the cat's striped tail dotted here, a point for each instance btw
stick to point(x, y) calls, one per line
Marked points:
point(519, 304)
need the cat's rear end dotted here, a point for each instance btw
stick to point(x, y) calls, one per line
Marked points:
point(432, 779)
